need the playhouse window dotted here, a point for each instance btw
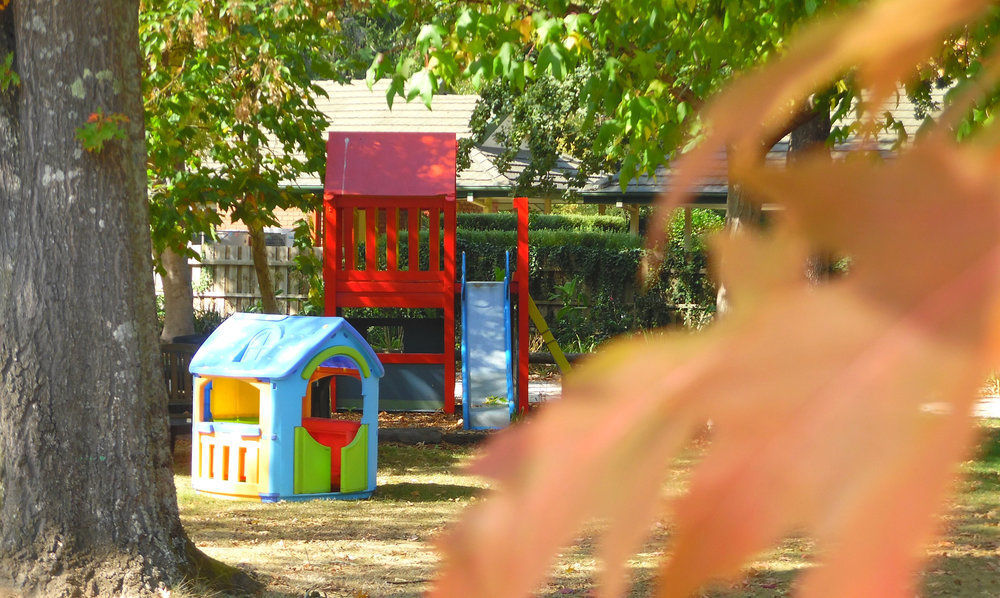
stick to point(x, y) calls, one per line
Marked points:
point(330, 394)
point(233, 400)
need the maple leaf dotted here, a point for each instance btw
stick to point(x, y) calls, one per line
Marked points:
point(840, 410)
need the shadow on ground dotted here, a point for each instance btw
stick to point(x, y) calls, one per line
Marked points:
point(415, 492)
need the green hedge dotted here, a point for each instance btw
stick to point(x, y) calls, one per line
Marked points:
point(507, 221)
point(607, 262)
point(592, 274)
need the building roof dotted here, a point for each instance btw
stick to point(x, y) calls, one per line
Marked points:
point(354, 107)
point(271, 347)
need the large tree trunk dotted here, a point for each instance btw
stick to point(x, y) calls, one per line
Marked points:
point(258, 249)
point(87, 500)
point(178, 296)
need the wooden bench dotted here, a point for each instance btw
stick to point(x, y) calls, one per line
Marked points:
point(176, 360)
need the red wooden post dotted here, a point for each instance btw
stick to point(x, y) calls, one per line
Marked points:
point(450, 224)
point(331, 257)
point(521, 205)
point(434, 240)
point(350, 247)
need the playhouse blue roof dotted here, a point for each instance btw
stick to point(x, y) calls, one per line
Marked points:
point(274, 347)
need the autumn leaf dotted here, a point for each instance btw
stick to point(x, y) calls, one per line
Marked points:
point(838, 410)
point(100, 129)
point(756, 107)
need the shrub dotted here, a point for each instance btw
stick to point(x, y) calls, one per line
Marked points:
point(590, 250)
point(507, 221)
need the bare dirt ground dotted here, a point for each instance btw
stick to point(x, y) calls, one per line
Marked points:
point(447, 422)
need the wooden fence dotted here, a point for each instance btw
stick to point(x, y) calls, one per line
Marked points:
point(225, 281)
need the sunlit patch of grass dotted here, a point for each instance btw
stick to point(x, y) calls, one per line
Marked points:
point(379, 546)
point(966, 561)
point(383, 546)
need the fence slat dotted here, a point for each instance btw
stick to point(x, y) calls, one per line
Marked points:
point(225, 281)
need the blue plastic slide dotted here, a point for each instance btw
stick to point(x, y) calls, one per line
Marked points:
point(487, 359)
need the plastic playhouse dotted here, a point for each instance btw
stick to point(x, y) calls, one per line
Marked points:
point(254, 430)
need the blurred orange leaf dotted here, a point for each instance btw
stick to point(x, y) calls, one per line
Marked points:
point(839, 410)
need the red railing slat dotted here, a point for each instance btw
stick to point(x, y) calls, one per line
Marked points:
point(350, 250)
point(434, 240)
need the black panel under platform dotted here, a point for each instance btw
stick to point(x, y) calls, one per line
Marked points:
point(405, 387)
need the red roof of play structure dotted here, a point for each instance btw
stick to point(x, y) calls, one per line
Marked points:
point(391, 164)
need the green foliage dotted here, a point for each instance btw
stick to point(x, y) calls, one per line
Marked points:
point(206, 321)
point(310, 266)
point(8, 76)
point(100, 129)
point(570, 326)
point(615, 85)
point(231, 116)
point(507, 221)
point(495, 401)
point(386, 339)
point(547, 120)
point(703, 223)
point(593, 275)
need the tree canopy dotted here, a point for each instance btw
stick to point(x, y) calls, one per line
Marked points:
point(231, 117)
point(618, 85)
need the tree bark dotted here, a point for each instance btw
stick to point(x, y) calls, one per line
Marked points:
point(742, 214)
point(258, 249)
point(809, 128)
point(810, 137)
point(178, 295)
point(87, 499)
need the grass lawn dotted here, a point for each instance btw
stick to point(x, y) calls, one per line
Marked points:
point(380, 547)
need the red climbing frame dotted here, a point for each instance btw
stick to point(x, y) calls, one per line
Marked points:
point(521, 284)
point(392, 178)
